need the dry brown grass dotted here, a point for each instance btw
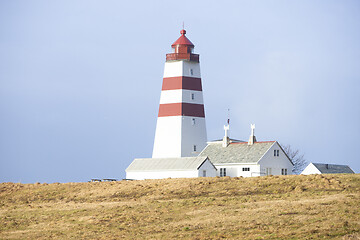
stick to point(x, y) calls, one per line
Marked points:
point(276, 207)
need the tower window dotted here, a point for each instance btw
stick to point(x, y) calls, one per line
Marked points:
point(194, 148)
point(193, 121)
point(222, 172)
point(191, 72)
point(192, 96)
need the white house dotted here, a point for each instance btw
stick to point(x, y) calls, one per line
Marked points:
point(241, 159)
point(247, 159)
point(324, 168)
point(156, 168)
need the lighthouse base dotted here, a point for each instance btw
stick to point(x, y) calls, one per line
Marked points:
point(179, 136)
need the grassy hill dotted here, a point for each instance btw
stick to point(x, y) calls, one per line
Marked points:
point(273, 207)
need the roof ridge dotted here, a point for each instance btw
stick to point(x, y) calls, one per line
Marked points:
point(254, 142)
point(330, 164)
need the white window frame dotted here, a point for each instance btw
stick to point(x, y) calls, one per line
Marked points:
point(222, 172)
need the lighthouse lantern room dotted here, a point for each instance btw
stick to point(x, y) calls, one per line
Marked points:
point(180, 128)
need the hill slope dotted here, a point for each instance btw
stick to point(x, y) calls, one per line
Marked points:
point(287, 207)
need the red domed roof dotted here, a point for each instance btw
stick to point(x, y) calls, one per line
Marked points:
point(182, 40)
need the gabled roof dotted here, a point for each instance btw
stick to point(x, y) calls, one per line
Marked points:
point(332, 168)
point(239, 152)
point(167, 164)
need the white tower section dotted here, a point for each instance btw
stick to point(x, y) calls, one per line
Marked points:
point(180, 128)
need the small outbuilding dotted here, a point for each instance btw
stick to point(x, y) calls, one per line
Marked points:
point(325, 168)
point(157, 168)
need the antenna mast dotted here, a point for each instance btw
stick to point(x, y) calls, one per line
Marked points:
point(228, 120)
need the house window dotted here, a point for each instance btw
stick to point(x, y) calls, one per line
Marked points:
point(193, 96)
point(284, 171)
point(191, 72)
point(276, 153)
point(222, 172)
point(193, 121)
point(246, 169)
point(204, 173)
point(194, 148)
point(268, 171)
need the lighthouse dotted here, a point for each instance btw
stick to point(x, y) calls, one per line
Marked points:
point(180, 128)
point(181, 149)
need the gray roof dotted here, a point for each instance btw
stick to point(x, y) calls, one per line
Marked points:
point(332, 168)
point(166, 164)
point(236, 152)
point(231, 139)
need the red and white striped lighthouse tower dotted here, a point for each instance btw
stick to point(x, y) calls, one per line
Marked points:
point(180, 128)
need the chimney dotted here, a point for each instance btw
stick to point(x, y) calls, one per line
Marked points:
point(226, 139)
point(252, 138)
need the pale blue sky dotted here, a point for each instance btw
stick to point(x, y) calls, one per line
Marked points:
point(80, 81)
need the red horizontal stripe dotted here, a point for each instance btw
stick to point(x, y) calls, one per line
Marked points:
point(188, 83)
point(171, 109)
point(181, 109)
